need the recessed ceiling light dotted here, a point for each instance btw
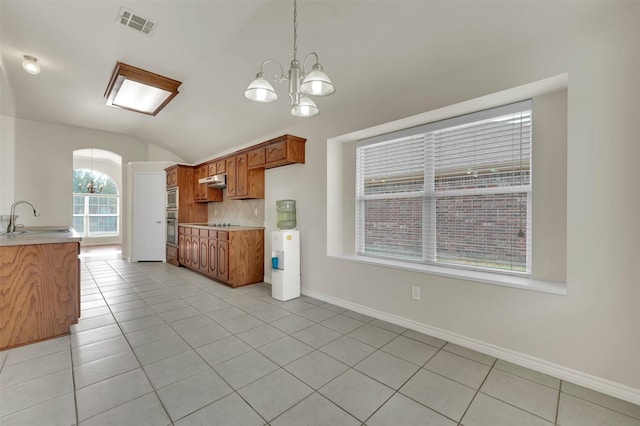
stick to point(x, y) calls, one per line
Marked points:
point(30, 64)
point(139, 90)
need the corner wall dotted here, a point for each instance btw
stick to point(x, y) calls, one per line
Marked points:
point(593, 331)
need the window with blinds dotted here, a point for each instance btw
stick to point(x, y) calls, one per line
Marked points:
point(456, 192)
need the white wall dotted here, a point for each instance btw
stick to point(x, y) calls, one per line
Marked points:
point(593, 331)
point(7, 160)
point(43, 162)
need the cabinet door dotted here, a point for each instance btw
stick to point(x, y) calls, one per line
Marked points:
point(181, 245)
point(172, 178)
point(276, 152)
point(204, 255)
point(213, 259)
point(200, 192)
point(195, 252)
point(256, 158)
point(231, 177)
point(187, 250)
point(221, 166)
point(211, 169)
point(223, 260)
point(242, 175)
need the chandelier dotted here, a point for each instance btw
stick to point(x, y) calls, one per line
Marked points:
point(301, 84)
point(91, 188)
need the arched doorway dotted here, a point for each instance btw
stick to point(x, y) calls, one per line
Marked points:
point(97, 183)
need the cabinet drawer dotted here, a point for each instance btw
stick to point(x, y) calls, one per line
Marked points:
point(182, 230)
point(172, 252)
point(213, 234)
point(275, 152)
point(223, 235)
point(256, 158)
point(204, 233)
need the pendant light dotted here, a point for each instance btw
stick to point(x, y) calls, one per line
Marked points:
point(301, 85)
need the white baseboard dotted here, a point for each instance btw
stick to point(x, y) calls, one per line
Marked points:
point(605, 386)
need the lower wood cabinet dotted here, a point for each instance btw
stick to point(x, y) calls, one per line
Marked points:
point(235, 257)
point(39, 292)
point(172, 254)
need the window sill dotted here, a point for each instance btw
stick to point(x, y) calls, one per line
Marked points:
point(524, 283)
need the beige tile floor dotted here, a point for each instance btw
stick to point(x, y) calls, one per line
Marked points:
point(160, 345)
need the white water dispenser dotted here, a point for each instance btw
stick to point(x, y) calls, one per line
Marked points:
point(285, 264)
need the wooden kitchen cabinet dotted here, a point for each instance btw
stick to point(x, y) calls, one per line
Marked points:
point(256, 158)
point(223, 261)
point(235, 257)
point(39, 292)
point(172, 177)
point(280, 151)
point(171, 254)
point(242, 182)
point(217, 167)
point(204, 255)
point(181, 246)
point(202, 193)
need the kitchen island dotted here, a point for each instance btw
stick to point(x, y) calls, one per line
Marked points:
point(233, 255)
point(39, 284)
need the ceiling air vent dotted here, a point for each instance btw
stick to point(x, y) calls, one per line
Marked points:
point(135, 22)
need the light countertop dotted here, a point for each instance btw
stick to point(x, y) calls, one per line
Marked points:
point(40, 235)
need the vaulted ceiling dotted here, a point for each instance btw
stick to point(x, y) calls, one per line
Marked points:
point(369, 48)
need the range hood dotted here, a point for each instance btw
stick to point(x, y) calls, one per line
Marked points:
point(215, 181)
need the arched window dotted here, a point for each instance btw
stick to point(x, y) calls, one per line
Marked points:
point(95, 214)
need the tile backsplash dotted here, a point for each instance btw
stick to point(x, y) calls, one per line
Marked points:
point(237, 212)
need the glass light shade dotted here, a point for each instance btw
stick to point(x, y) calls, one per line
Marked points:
point(140, 97)
point(317, 83)
point(31, 65)
point(305, 108)
point(260, 90)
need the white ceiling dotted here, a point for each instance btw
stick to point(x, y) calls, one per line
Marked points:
point(216, 47)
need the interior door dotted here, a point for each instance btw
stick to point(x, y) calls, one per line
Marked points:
point(149, 216)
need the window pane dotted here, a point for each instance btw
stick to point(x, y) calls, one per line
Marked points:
point(394, 227)
point(78, 205)
point(482, 230)
point(78, 224)
point(457, 191)
point(103, 225)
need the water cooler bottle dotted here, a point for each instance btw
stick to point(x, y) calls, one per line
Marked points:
point(285, 272)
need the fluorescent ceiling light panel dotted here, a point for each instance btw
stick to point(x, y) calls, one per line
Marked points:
point(138, 90)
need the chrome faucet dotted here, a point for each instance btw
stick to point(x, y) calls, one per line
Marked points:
point(12, 226)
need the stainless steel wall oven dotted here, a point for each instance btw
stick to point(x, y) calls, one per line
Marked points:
point(172, 227)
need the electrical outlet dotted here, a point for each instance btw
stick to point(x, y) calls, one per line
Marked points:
point(255, 211)
point(415, 292)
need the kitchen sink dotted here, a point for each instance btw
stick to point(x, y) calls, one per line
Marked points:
point(42, 230)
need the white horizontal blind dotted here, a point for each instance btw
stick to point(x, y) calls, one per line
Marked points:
point(390, 190)
point(454, 192)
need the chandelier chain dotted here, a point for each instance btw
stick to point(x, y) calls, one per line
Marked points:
point(295, 29)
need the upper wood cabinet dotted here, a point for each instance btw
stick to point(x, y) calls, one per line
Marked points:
point(283, 150)
point(245, 168)
point(172, 177)
point(188, 211)
point(242, 182)
point(202, 193)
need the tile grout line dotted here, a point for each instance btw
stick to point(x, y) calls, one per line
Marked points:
point(134, 354)
point(233, 390)
point(477, 391)
point(558, 403)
